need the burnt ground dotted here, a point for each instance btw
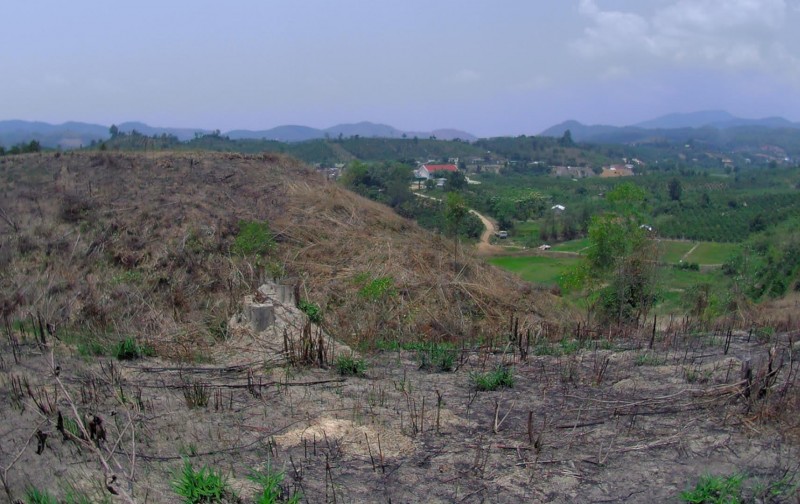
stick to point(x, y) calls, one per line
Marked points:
point(612, 421)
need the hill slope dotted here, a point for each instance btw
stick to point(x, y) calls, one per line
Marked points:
point(144, 242)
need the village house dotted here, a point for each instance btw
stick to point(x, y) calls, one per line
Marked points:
point(428, 171)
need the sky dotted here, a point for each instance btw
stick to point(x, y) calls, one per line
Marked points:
point(504, 67)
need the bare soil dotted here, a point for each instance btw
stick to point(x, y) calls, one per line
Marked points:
point(106, 246)
point(625, 424)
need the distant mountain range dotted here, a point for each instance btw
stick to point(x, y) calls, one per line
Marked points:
point(712, 124)
point(74, 134)
point(668, 127)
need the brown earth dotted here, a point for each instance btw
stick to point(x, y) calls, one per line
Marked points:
point(103, 246)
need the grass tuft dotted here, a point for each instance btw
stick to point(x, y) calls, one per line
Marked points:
point(35, 496)
point(271, 491)
point(715, 490)
point(201, 486)
point(437, 357)
point(349, 365)
point(130, 349)
point(500, 377)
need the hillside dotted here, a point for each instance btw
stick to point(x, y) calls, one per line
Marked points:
point(127, 372)
point(110, 241)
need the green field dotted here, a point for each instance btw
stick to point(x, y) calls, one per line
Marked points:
point(673, 251)
point(673, 283)
point(572, 246)
point(712, 252)
point(536, 269)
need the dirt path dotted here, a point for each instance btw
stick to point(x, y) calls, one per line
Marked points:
point(484, 246)
point(687, 254)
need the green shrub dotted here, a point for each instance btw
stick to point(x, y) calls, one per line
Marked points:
point(203, 486)
point(438, 357)
point(502, 376)
point(254, 238)
point(130, 349)
point(271, 491)
point(349, 365)
point(715, 490)
point(313, 311)
point(378, 288)
point(649, 359)
point(35, 496)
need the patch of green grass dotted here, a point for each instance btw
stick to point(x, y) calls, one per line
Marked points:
point(35, 496)
point(500, 377)
point(437, 357)
point(578, 245)
point(254, 238)
point(271, 491)
point(201, 486)
point(715, 490)
point(649, 359)
point(126, 277)
point(313, 311)
point(92, 348)
point(349, 365)
point(673, 251)
point(712, 252)
point(130, 349)
point(545, 348)
point(378, 289)
point(537, 269)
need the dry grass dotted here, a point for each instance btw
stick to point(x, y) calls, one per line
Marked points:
point(110, 244)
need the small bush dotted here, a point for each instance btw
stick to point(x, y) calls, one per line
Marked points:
point(500, 377)
point(649, 359)
point(271, 490)
point(349, 365)
point(437, 357)
point(203, 486)
point(715, 490)
point(378, 288)
point(254, 238)
point(35, 496)
point(196, 395)
point(313, 311)
point(130, 349)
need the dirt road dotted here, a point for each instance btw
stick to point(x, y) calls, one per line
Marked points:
point(484, 246)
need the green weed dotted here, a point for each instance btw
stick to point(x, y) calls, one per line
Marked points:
point(648, 359)
point(715, 490)
point(502, 376)
point(349, 365)
point(378, 288)
point(202, 486)
point(35, 496)
point(254, 238)
point(313, 311)
point(271, 490)
point(437, 357)
point(130, 349)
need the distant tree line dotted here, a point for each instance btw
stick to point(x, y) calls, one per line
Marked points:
point(22, 148)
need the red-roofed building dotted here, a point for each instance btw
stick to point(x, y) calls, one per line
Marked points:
point(427, 171)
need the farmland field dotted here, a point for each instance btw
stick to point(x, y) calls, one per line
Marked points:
point(673, 251)
point(536, 269)
point(572, 245)
point(712, 252)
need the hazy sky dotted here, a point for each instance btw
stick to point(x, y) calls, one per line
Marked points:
point(488, 67)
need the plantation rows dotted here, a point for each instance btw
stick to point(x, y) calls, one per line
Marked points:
point(730, 223)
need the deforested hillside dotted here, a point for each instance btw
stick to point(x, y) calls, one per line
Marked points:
point(238, 329)
point(163, 247)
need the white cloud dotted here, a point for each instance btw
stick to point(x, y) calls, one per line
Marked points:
point(612, 32)
point(727, 33)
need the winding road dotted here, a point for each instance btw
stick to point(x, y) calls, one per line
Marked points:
point(484, 246)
